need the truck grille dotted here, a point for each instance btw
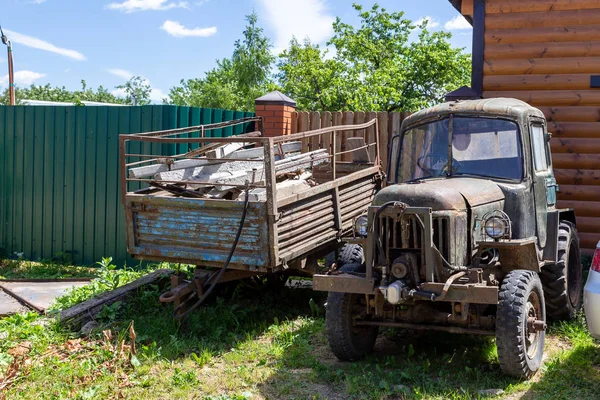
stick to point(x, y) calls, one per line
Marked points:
point(405, 233)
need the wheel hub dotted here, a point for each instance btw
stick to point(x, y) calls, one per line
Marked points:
point(533, 326)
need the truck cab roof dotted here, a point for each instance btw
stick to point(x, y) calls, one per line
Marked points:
point(513, 108)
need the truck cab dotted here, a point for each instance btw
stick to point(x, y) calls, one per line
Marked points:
point(466, 228)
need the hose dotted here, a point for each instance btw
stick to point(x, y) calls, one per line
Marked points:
point(218, 274)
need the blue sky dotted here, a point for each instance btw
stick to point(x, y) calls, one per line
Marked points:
point(107, 41)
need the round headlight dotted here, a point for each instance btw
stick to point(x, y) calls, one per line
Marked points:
point(495, 227)
point(361, 225)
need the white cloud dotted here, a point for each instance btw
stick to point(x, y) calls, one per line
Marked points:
point(457, 23)
point(300, 18)
point(23, 77)
point(38, 1)
point(174, 28)
point(40, 44)
point(431, 23)
point(121, 73)
point(130, 6)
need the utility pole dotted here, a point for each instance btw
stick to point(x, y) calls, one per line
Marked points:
point(11, 74)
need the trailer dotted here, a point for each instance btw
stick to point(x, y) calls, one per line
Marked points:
point(245, 205)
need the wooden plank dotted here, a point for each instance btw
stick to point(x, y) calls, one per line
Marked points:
point(467, 8)
point(588, 224)
point(578, 177)
point(370, 137)
point(519, 6)
point(551, 97)
point(348, 120)
point(384, 138)
point(579, 192)
point(537, 82)
point(358, 156)
point(542, 50)
point(326, 123)
point(543, 19)
point(571, 114)
point(588, 241)
point(89, 308)
point(536, 35)
point(294, 128)
point(303, 126)
point(574, 129)
point(576, 145)
point(338, 118)
point(315, 123)
point(575, 161)
point(395, 124)
point(532, 66)
point(582, 208)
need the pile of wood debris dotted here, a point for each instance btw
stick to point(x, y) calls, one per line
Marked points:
point(242, 163)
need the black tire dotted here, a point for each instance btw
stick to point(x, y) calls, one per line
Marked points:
point(520, 347)
point(348, 342)
point(563, 281)
point(347, 254)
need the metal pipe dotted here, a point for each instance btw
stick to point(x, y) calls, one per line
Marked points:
point(418, 327)
point(11, 75)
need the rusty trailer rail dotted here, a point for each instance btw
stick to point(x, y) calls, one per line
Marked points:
point(278, 233)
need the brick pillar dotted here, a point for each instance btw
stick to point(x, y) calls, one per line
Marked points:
point(276, 110)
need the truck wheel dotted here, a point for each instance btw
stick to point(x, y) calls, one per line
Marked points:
point(520, 324)
point(348, 342)
point(347, 254)
point(562, 281)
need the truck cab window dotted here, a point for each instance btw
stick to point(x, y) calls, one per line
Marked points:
point(540, 156)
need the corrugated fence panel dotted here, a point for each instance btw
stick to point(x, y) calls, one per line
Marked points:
point(59, 175)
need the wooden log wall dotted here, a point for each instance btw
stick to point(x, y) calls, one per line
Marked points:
point(545, 53)
point(388, 124)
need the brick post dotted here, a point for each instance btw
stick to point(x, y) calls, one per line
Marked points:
point(276, 110)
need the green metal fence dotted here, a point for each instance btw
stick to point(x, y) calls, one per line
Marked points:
point(59, 175)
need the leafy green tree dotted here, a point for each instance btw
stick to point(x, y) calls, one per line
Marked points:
point(61, 94)
point(235, 82)
point(313, 80)
point(137, 91)
point(378, 66)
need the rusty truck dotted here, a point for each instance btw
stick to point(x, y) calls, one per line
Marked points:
point(466, 237)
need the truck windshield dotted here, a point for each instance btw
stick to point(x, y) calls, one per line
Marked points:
point(486, 147)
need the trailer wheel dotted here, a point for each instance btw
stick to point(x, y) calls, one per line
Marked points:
point(520, 324)
point(348, 342)
point(347, 254)
point(562, 281)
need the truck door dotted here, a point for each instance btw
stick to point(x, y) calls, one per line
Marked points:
point(544, 185)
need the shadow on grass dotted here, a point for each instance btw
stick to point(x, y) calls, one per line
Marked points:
point(572, 375)
point(434, 365)
point(238, 313)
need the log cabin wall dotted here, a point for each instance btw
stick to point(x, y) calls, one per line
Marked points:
point(547, 53)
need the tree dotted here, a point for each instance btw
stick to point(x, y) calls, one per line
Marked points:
point(137, 91)
point(376, 66)
point(235, 82)
point(312, 79)
point(61, 94)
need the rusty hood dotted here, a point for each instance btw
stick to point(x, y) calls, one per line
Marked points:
point(442, 194)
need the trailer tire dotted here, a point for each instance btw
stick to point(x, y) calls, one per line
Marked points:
point(347, 254)
point(562, 281)
point(520, 346)
point(348, 342)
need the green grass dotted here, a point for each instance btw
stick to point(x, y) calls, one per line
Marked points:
point(23, 269)
point(254, 343)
